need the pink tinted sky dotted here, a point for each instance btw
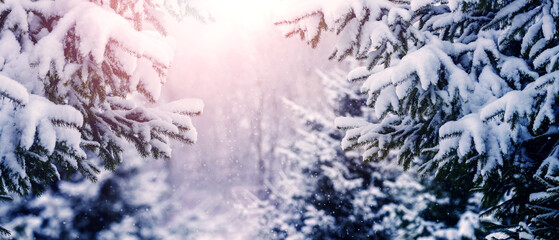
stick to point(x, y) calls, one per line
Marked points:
point(226, 62)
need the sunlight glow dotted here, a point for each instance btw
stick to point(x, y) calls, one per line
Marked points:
point(248, 12)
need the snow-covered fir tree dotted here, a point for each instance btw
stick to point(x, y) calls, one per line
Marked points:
point(313, 199)
point(80, 80)
point(130, 203)
point(77, 77)
point(461, 88)
point(4, 198)
point(326, 193)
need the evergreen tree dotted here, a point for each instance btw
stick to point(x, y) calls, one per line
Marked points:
point(4, 231)
point(129, 203)
point(74, 78)
point(463, 89)
point(326, 193)
point(314, 198)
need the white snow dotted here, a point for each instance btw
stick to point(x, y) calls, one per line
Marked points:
point(13, 90)
point(548, 24)
point(418, 4)
point(187, 106)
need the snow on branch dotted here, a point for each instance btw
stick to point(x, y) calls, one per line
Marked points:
point(71, 73)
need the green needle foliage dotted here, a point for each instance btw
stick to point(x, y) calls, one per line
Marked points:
point(462, 89)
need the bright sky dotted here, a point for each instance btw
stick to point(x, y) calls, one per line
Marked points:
point(230, 62)
point(249, 12)
point(226, 63)
point(239, 44)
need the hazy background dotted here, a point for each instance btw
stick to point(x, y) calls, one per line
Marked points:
point(241, 65)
